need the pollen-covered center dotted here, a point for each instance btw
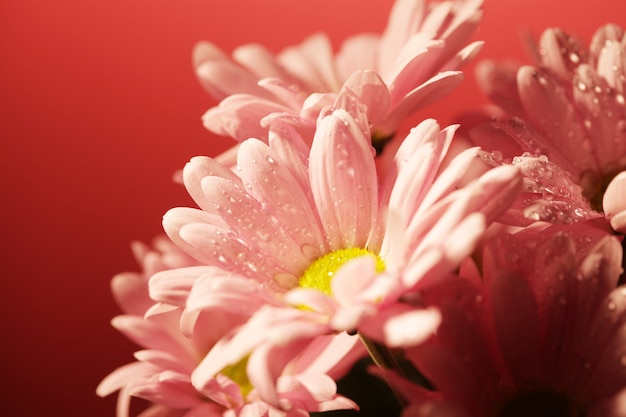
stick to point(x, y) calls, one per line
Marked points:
point(238, 374)
point(320, 274)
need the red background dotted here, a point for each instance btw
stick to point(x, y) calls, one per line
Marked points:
point(99, 107)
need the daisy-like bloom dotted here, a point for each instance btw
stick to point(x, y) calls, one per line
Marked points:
point(162, 371)
point(326, 246)
point(538, 330)
point(573, 102)
point(415, 61)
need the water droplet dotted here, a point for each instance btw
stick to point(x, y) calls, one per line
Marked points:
point(309, 252)
point(512, 257)
point(611, 306)
point(285, 280)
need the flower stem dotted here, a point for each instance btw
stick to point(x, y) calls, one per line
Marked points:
point(384, 359)
point(381, 355)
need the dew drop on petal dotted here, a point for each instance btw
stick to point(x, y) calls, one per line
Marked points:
point(587, 145)
point(285, 280)
point(309, 252)
point(512, 257)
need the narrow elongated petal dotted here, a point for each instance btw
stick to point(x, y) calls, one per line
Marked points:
point(344, 179)
point(546, 105)
point(372, 92)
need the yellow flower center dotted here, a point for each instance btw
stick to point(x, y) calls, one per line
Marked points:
point(237, 373)
point(320, 274)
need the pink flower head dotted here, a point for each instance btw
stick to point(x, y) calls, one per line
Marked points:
point(415, 61)
point(573, 101)
point(540, 327)
point(162, 372)
point(327, 246)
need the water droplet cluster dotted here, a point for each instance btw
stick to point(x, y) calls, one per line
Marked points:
point(551, 193)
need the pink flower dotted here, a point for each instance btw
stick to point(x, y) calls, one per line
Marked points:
point(415, 61)
point(538, 330)
point(323, 243)
point(162, 373)
point(573, 101)
point(549, 192)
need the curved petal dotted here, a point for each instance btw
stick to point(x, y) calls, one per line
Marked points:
point(614, 202)
point(344, 181)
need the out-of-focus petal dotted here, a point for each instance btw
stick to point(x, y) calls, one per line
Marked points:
point(614, 202)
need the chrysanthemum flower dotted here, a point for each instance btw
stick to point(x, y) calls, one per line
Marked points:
point(538, 330)
point(415, 61)
point(162, 372)
point(326, 245)
point(573, 101)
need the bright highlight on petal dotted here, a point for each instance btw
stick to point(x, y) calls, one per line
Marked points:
point(320, 274)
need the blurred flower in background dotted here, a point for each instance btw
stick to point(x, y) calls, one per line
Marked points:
point(568, 108)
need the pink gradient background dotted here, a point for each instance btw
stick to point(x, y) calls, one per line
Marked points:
point(99, 107)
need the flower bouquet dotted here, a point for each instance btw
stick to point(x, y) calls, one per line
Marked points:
point(336, 262)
